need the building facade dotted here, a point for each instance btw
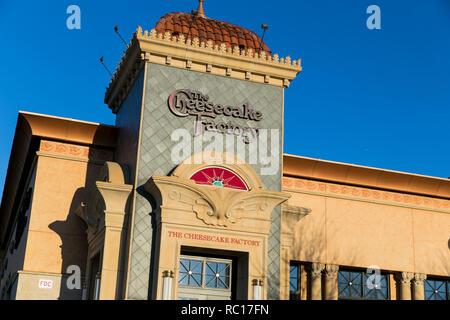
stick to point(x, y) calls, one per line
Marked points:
point(190, 196)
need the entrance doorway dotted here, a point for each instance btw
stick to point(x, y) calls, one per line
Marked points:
point(205, 278)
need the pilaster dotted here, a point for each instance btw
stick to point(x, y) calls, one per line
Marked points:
point(404, 282)
point(331, 274)
point(418, 288)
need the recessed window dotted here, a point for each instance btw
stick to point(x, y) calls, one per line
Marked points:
point(294, 282)
point(437, 289)
point(363, 286)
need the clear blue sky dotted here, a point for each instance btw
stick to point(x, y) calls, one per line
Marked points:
point(377, 98)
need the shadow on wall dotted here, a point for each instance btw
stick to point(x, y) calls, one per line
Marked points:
point(153, 279)
point(72, 244)
point(73, 231)
point(310, 245)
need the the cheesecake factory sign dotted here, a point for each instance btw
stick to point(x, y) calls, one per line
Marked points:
point(184, 103)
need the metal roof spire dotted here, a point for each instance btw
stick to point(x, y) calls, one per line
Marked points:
point(200, 11)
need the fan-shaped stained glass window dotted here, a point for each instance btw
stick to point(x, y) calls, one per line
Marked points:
point(219, 177)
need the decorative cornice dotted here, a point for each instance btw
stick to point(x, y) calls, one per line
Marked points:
point(179, 52)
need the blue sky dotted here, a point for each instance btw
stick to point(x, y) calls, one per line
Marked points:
point(377, 98)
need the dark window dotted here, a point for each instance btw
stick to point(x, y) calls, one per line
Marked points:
point(361, 285)
point(437, 289)
point(294, 282)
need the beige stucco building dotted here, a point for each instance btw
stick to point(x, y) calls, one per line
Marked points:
point(91, 211)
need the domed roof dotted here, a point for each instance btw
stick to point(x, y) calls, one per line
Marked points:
point(197, 25)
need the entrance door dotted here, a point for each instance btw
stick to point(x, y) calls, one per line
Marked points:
point(204, 278)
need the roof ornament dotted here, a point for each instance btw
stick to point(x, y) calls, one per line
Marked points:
point(200, 11)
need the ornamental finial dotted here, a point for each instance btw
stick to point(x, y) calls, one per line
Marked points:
point(200, 11)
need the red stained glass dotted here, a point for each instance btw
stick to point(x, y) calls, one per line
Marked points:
point(219, 177)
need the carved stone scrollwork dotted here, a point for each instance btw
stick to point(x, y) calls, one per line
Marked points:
point(404, 278)
point(214, 206)
point(419, 279)
point(331, 271)
point(316, 270)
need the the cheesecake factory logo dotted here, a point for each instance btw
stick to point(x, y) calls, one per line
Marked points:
point(185, 103)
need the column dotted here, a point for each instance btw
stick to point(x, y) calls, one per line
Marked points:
point(115, 197)
point(316, 281)
point(331, 272)
point(404, 281)
point(418, 288)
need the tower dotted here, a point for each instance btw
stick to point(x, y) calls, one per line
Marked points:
point(180, 88)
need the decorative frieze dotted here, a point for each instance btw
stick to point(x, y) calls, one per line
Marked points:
point(379, 196)
point(71, 151)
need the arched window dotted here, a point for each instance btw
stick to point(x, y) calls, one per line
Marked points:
point(219, 177)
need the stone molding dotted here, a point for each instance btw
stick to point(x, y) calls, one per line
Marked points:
point(290, 216)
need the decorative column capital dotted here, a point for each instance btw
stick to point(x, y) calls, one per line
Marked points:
point(404, 278)
point(316, 270)
point(419, 279)
point(331, 271)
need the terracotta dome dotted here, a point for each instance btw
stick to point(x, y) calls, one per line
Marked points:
point(205, 29)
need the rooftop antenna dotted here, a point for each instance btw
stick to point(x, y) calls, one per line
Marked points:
point(101, 61)
point(264, 27)
point(116, 29)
